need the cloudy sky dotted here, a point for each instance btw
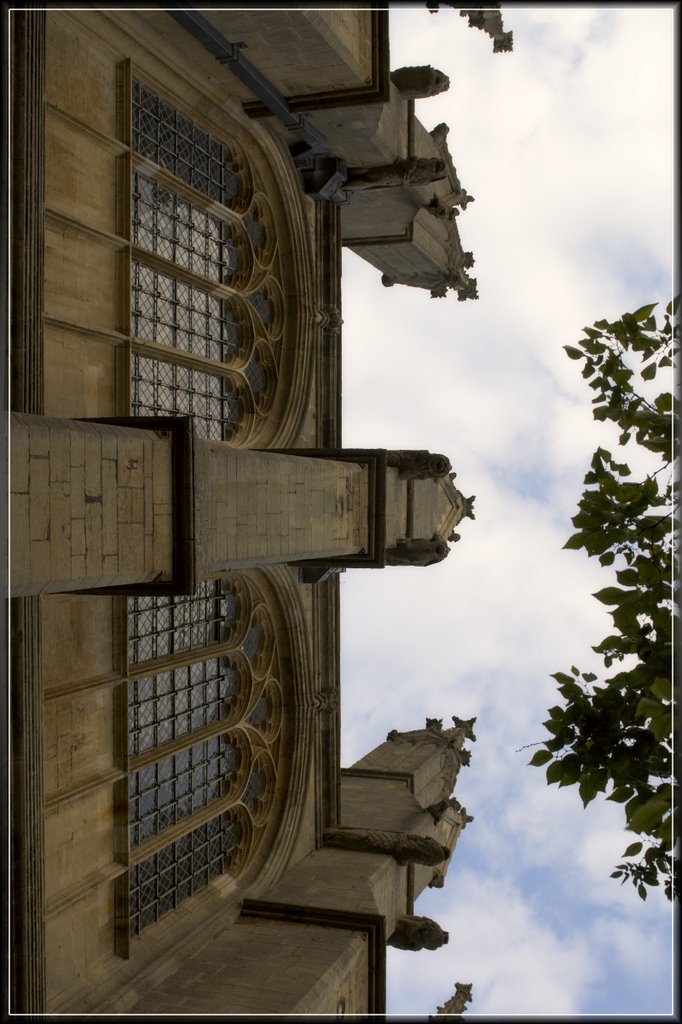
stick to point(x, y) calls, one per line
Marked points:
point(566, 144)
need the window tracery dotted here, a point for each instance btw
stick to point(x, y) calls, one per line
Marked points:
point(206, 322)
point(204, 723)
point(207, 307)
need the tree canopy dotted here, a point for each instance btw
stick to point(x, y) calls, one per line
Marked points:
point(614, 735)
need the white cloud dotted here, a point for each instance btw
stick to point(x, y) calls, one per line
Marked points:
point(566, 143)
point(526, 968)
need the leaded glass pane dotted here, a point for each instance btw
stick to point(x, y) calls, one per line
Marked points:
point(168, 225)
point(167, 137)
point(255, 230)
point(164, 793)
point(175, 314)
point(170, 704)
point(260, 712)
point(159, 388)
point(253, 643)
point(263, 306)
point(161, 882)
point(255, 374)
point(254, 788)
point(163, 625)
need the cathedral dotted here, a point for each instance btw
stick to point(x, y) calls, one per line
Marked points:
point(183, 837)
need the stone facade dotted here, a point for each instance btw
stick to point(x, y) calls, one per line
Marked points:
point(181, 504)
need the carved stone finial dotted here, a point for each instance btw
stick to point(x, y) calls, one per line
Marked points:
point(404, 847)
point(503, 43)
point(468, 290)
point(491, 23)
point(469, 507)
point(455, 1005)
point(462, 811)
point(438, 810)
point(431, 734)
point(420, 82)
point(417, 933)
point(467, 724)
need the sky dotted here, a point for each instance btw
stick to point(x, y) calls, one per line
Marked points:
point(567, 145)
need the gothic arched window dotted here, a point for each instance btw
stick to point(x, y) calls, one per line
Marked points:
point(203, 738)
point(206, 302)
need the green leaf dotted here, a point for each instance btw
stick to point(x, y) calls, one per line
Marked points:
point(649, 372)
point(561, 677)
point(641, 889)
point(573, 353)
point(661, 726)
point(576, 542)
point(555, 772)
point(628, 577)
point(633, 849)
point(571, 770)
point(648, 816)
point(662, 688)
point(647, 708)
point(610, 595)
point(540, 757)
point(644, 312)
point(587, 790)
point(664, 402)
point(571, 692)
point(620, 794)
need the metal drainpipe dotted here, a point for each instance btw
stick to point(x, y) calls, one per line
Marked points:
point(321, 173)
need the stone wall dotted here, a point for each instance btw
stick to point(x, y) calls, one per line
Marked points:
point(268, 967)
point(91, 505)
point(263, 508)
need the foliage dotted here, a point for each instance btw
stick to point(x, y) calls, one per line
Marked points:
point(616, 733)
